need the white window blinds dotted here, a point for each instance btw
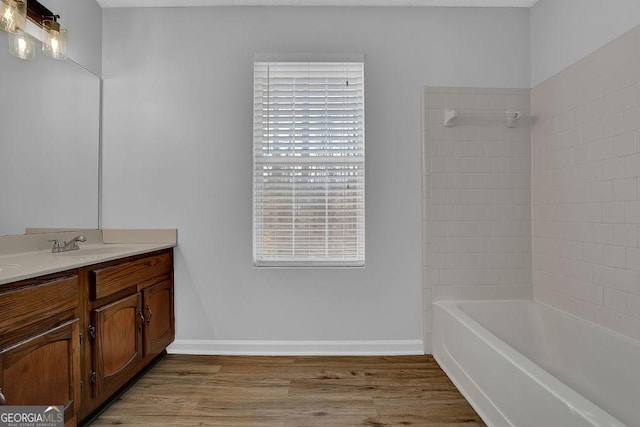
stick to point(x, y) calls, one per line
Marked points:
point(308, 157)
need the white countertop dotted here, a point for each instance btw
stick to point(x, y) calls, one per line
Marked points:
point(26, 265)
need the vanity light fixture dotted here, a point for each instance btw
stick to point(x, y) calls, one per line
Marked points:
point(54, 38)
point(22, 45)
point(13, 19)
point(13, 15)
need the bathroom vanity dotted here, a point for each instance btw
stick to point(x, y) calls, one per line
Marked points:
point(74, 337)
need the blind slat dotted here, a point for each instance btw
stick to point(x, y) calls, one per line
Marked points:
point(308, 174)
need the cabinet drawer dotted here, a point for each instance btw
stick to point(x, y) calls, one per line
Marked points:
point(140, 273)
point(25, 306)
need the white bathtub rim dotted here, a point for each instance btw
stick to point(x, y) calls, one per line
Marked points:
point(597, 418)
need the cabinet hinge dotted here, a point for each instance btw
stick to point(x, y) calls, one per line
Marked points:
point(92, 332)
point(92, 377)
point(81, 387)
point(80, 338)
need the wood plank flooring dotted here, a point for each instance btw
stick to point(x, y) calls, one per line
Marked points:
point(239, 391)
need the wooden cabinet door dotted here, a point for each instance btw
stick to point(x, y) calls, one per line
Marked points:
point(159, 318)
point(44, 370)
point(117, 349)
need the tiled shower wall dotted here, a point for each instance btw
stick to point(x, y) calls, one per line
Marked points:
point(586, 187)
point(476, 195)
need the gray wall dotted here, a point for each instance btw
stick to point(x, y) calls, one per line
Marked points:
point(565, 31)
point(177, 153)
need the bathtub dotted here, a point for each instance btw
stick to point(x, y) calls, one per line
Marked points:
point(521, 363)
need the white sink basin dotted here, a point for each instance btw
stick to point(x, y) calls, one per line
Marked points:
point(102, 250)
point(4, 267)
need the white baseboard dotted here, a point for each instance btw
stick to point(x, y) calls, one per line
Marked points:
point(297, 348)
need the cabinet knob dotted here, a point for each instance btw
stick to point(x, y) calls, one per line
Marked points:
point(150, 315)
point(141, 324)
point(3, 400)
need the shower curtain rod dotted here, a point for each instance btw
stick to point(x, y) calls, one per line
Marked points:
point(510, 116)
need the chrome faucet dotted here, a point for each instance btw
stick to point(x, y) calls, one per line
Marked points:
point(71, 245)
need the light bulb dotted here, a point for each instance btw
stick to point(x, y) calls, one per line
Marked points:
point(22, 46)
point(7, 22)
point(13, 15)
point(54, 40)
point(8, 14)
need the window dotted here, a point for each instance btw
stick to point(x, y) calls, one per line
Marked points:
point(308, 158)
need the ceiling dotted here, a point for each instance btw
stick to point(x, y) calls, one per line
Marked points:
point(191, 3)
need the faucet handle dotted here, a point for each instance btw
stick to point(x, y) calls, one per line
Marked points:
point(57, 244)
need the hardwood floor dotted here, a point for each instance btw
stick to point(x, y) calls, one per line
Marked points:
point(239, 391)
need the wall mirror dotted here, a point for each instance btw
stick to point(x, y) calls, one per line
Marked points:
point(49, 143)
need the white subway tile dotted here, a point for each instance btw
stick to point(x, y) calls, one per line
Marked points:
point(602, 149)
point(625, 235)
point(581, 270)
point(632, 212)
point(625, 189)
point(592, 131)
point(628, 325)
point(453, 164)
point(499, 165)
point(633, 305)
point(613, 212)
point(624, 144)
point(446, 293)
point(483, 165)
point(583, 232)
point(603, 275)
point(615, 300)
point(437, 165)
point(603, 233)
point(467, 101)
point(632, 165)
point(589, 212)
point(625, 280)
point(451, 133)
point(439, 229)
point(582, 309)
point(629, 73)
point(452, 101)
point(498, 102)
point(517, 102)
point(600, 107)
point(586, 291)
point(601, 191)
point(436, 101)
point(612, 124)
point(593, 253)
point(614, 256)
point(631, 119)
point(447, 277)
point(611, 169)
point(624, 99)
point(633, 258)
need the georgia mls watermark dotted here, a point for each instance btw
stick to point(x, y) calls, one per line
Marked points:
point(31, 416)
